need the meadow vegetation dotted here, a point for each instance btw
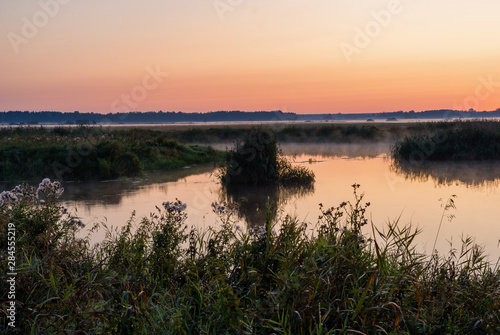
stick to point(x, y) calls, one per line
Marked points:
point(160, 275)
point(92, 153)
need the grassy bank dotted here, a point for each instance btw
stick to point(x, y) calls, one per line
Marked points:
point(86, 153)
point(157, 276)
point(456, 141)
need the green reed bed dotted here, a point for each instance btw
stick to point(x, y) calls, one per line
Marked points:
point(92, 153)
point(160, 275)
point(444, 141)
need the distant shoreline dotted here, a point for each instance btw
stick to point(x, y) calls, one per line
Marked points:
point(244, 124)
point(232, 117)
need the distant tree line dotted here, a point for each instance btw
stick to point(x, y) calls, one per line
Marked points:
point(76, 117)
point(31, 117)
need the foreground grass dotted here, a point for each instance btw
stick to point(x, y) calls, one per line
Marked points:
point(92, 153)
point(156, 276)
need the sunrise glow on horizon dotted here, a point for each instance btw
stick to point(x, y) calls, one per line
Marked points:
point(324, 56)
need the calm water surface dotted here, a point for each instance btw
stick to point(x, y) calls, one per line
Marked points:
point(414, 196)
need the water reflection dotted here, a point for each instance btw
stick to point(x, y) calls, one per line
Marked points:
point(113, 192)
point(468, 174)
point(334, 150)
point(395, 192)
point(252, 200)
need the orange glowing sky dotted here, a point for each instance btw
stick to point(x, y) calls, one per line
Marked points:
point(293, 55)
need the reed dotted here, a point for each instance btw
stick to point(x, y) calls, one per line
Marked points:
point(159, 275)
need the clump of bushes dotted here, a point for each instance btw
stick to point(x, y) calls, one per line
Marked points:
point(258, 160)
point(156, 275)
point(456, 141)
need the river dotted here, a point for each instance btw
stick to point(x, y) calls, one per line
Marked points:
point(410, 196)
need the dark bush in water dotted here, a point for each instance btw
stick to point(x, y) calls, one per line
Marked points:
point(258, 160)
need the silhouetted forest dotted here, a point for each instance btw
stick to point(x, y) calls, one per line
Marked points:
point(31, 117)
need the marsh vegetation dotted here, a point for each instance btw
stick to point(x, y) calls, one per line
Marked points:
point(451, 141)
point(158, 275)
point(92, 153)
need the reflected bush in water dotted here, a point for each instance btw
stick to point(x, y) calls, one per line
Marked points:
point(470, 174)
point(252, 200)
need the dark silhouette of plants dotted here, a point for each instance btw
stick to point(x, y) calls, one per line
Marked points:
point(257, 160)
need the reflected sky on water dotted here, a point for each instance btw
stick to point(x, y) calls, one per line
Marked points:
point(410, 194)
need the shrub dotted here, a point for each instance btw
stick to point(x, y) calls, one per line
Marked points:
point(257, 160)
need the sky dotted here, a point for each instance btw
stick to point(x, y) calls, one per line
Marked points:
point(320, 56)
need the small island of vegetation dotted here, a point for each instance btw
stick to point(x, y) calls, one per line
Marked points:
point(258, 160)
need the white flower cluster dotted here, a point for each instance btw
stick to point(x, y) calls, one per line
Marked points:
point(49, 188)
point(28, 195)
point(19, 194)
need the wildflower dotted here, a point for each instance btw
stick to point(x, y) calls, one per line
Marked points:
point(50, 189)
point(78, 222)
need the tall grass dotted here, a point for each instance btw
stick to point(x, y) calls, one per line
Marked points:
point(158, 275)
point(457, 141)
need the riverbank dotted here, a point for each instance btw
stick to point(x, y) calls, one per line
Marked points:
point(92, 153)
point(102, 153)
